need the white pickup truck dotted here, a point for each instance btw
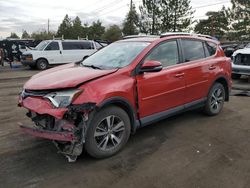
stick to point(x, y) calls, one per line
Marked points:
point(54, 52)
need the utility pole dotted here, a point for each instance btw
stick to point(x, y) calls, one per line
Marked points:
point(153, 24)
point(48, 26)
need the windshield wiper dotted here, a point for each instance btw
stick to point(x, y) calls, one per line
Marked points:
point(92, 66)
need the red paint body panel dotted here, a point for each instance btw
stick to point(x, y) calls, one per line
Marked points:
point(63, 77)
point(119, 84)
point(42, 106)
point(50, 135)
point(169, 93)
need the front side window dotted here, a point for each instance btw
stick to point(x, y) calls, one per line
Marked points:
point(116, 55)
point(52, 46)
point(166, 53)
point(193, 50)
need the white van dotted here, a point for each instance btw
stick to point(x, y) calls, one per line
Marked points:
point(54, 52)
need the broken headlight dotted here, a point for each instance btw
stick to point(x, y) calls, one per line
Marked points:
point(62, 99)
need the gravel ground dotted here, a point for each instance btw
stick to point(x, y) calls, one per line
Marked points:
point(188, 150)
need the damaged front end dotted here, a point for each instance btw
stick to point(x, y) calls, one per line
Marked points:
point(57, 119)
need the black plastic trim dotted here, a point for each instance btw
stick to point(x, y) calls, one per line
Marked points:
point(173, 111)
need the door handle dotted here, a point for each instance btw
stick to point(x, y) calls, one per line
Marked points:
point(179, 75)
point(60, 52)
point(212, 67)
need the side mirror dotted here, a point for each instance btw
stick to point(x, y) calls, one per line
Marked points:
point(151, 66)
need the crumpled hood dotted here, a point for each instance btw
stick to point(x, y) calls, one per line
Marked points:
point(242, 51)
point(65, 76)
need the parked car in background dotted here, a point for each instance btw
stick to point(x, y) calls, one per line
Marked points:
point(131, 83)
point(55, 52)
point(241, 62)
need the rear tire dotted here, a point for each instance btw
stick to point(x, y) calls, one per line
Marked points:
point(215, 100)
point(42, 64)
point(108, 132)
point(235, 76)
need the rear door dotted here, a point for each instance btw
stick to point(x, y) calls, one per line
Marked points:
point(160, 91)
point(196, 69)
point(52, 53)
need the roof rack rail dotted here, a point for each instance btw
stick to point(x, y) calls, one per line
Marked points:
point(58, 38)
point(79, 38)
point(186, 34)
point(140, 36)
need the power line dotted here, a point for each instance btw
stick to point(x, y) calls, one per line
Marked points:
point(209, 5)
point(120, 7)
point(113, 10)
point(105, 7)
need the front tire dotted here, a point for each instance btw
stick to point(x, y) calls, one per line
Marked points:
point(42, 64)
point(108, 132)
point(215, 100)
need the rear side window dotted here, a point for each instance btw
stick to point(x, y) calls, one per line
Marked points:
point(52, 46)
point(210, 48)
point(193, 50)
point(77, 45)
point(166, 53)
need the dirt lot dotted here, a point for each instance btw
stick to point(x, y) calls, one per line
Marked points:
point(188, 150)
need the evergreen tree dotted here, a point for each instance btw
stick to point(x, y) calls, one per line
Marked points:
point(25, 35)
point(240, 20)
point(215, 25)
point(13, 36)
point(77, 29)
point(150, 17)
point(43, 35)
point(96, 30)
point(113, 33)
point(158, 16)
point(65, 28)
point(131, 21)
point(176, 15)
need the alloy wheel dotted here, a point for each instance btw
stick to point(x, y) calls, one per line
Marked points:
point(109, 133)
point(217, 99)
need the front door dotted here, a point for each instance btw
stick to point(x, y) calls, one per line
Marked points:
point(52, 53)
point(163, 90)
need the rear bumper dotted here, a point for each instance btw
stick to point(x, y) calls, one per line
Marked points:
point(51, 135)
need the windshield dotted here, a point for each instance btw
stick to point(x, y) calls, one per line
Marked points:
point(41, 45)
point(248, 45)
point(116, 55)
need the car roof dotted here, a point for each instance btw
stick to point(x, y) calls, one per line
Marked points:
point(169, 36)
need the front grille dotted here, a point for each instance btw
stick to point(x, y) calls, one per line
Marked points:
point(35, 93)
point(242, 59)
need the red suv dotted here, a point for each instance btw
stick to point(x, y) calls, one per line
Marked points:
point(99, 102)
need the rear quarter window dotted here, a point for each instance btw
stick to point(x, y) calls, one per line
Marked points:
point(193, 50)
point(210, 48)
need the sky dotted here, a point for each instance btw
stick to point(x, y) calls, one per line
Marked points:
point(33, 15)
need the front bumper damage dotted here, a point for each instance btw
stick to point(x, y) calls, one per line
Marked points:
point(66, 127)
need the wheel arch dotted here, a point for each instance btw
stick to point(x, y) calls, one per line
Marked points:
point(126, 106)
point(42, 58)
point(222, 80)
